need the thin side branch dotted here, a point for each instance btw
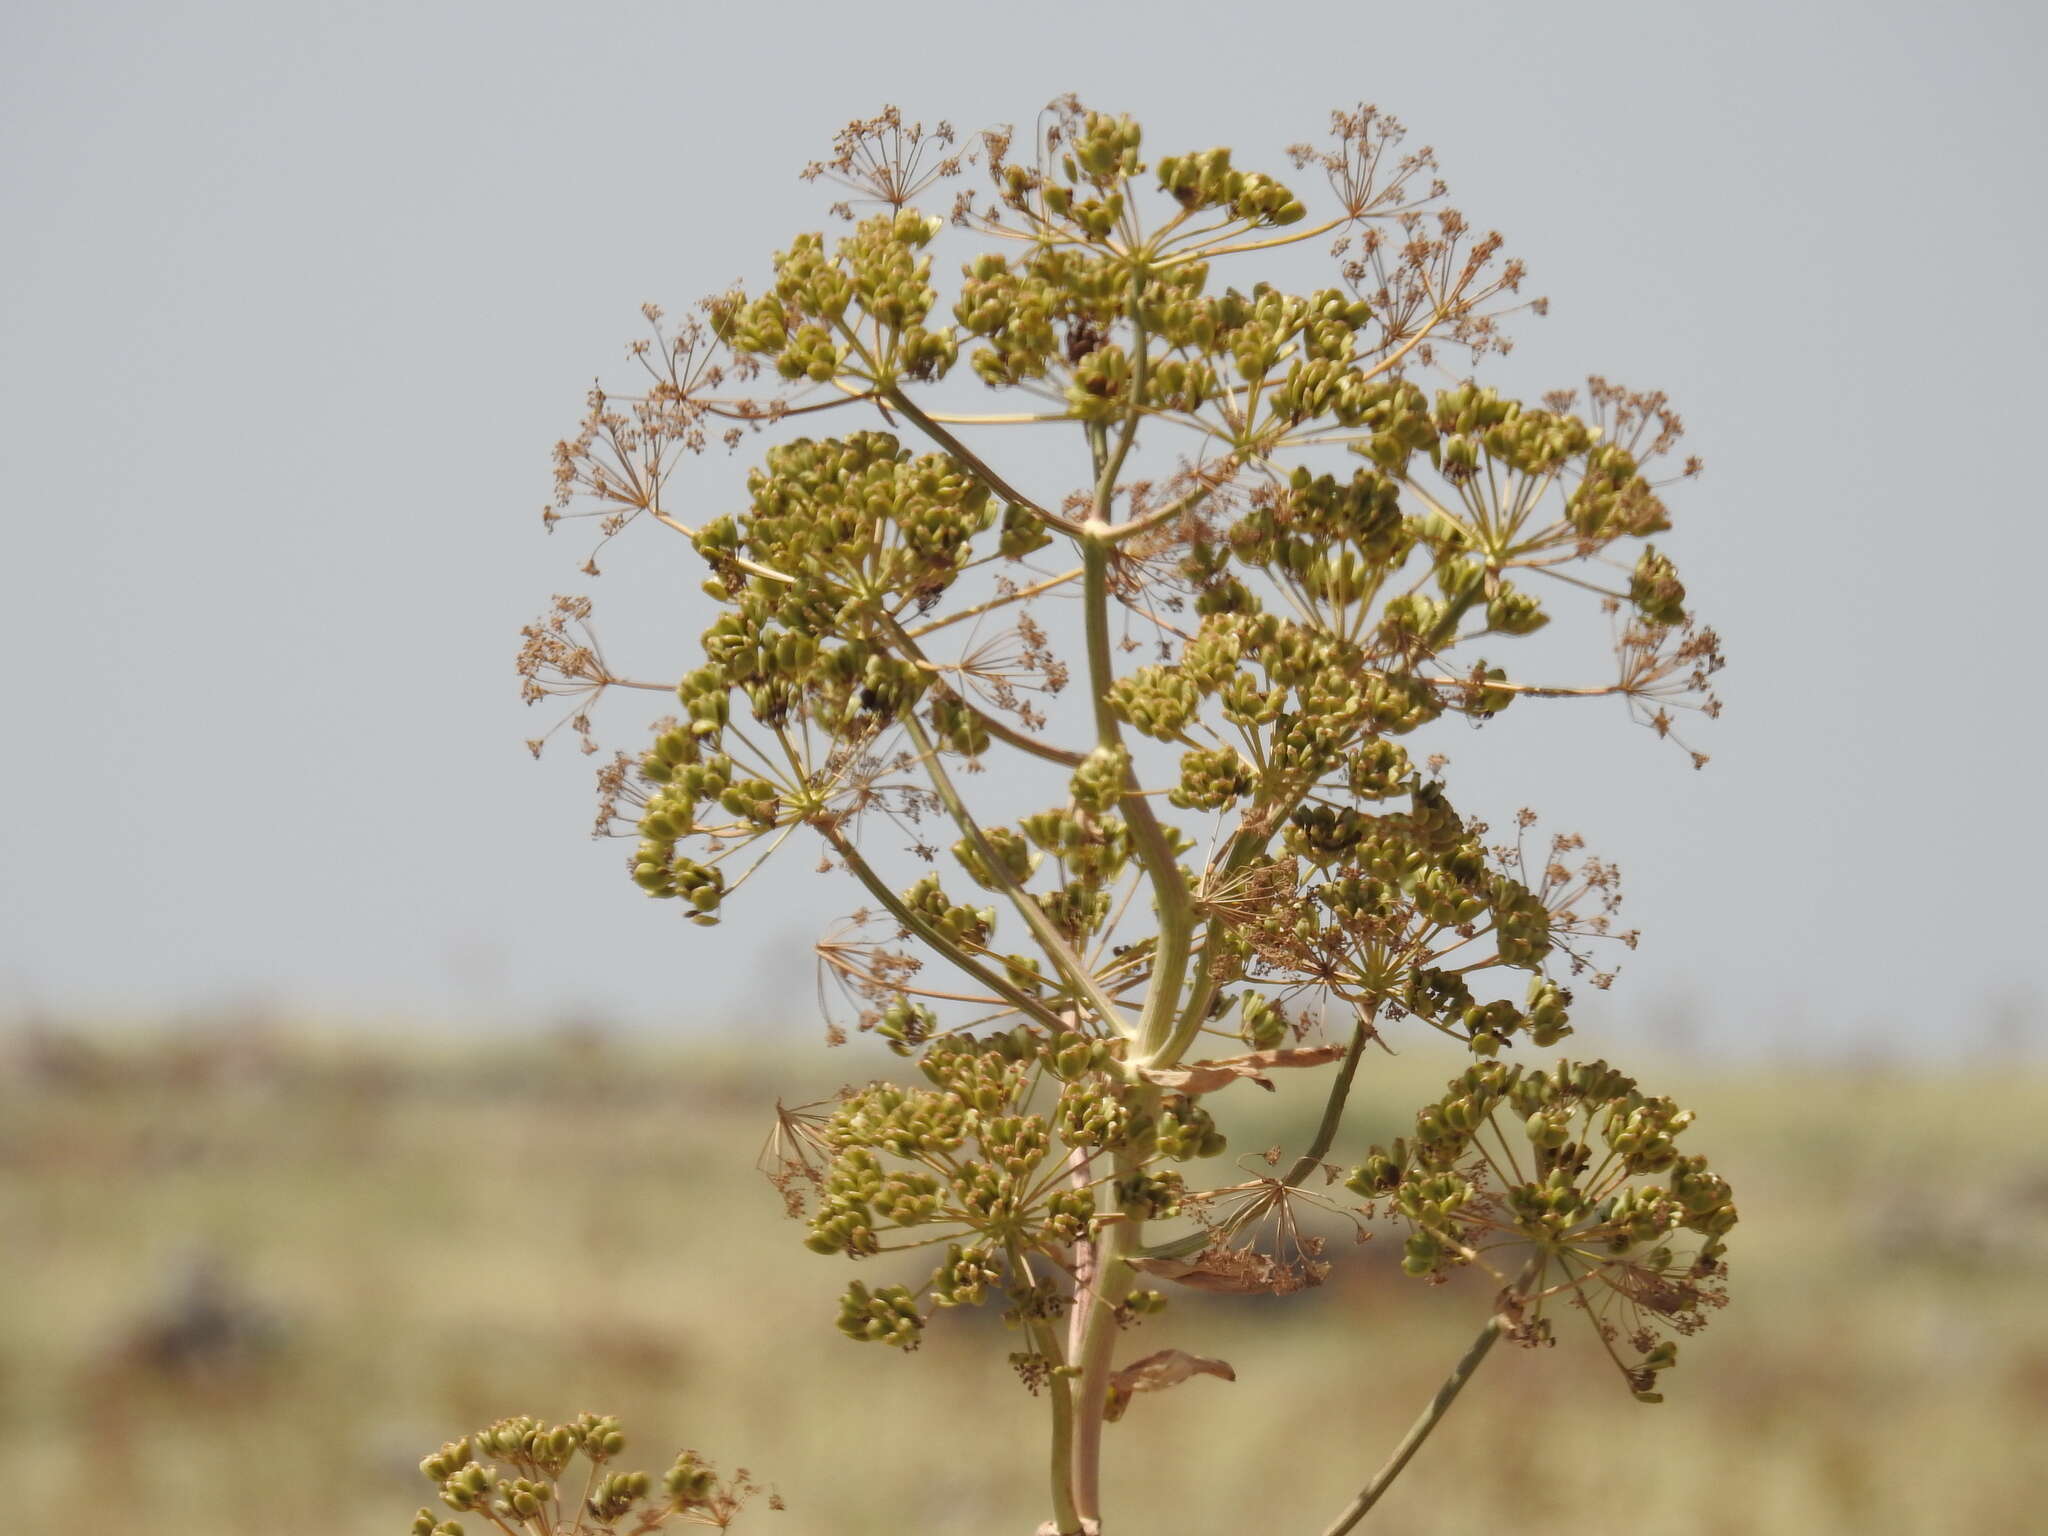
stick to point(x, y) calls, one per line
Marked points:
point(1501, 1322)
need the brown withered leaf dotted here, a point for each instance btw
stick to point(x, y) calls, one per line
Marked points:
point(1227, 1271)
point(1157, 1372)
point(1208, 1076)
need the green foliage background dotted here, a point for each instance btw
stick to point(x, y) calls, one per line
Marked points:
point(441, 1234)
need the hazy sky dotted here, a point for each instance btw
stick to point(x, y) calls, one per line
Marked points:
point(294, 299)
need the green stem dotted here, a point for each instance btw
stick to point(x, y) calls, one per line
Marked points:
point(1148, 837)
point(1095, 604)
point(1015, 996)
point(1180, 505)
point(1070, 965)
point(959, 450)
point(1333, 1108)
point(1113, 465)
point(1001, 730)
point(1243, 849)
point(1439, 1405)
point(1061, 1467)
point(1030, 745)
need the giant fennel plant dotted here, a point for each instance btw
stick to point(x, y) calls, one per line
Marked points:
point(1278, 535)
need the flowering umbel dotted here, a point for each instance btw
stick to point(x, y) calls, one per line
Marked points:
point(1286, 538)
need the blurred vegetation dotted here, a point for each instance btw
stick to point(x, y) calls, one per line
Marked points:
point(251, 1277)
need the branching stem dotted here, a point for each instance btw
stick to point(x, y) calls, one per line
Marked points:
point(864, 872)
point(1022, 594)
point(995, 482)
point(997, 727)
point(1072, 968)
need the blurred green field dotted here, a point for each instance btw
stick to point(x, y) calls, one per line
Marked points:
point(249, 1279)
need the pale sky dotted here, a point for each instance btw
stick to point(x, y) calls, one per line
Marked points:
point(295, 298)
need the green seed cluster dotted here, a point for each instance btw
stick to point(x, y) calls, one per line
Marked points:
point(1158, 701)
point(1655, 589)
point(1206, 180)
point(1331, 537)
point(857, 526)
point(1091, 850)
point(1443, 998)
point(1391, 891)
point(1211, 780)
point(906, 1025)
point(958, 726)
point(963, 925)
point(886, 1316)
point(1076, 911)
point(1013, 864)
point(1098, 784)
point(1613, 499)
point(1151, 1196)
point(527, 1496)
point(966, 1277)
point(853, 519)
point(1091, 1116)
point(876, 280)
point(967, 1157)
point(1262, 1026)
point(1312, 701)
point(857, 1194)
point(1184, 1130)
point(1579, 1164)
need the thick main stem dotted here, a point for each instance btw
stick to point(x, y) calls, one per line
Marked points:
point(1118, 1235)
point(1113, 1242)
point(1060, 1388)
point(1061, 1468)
